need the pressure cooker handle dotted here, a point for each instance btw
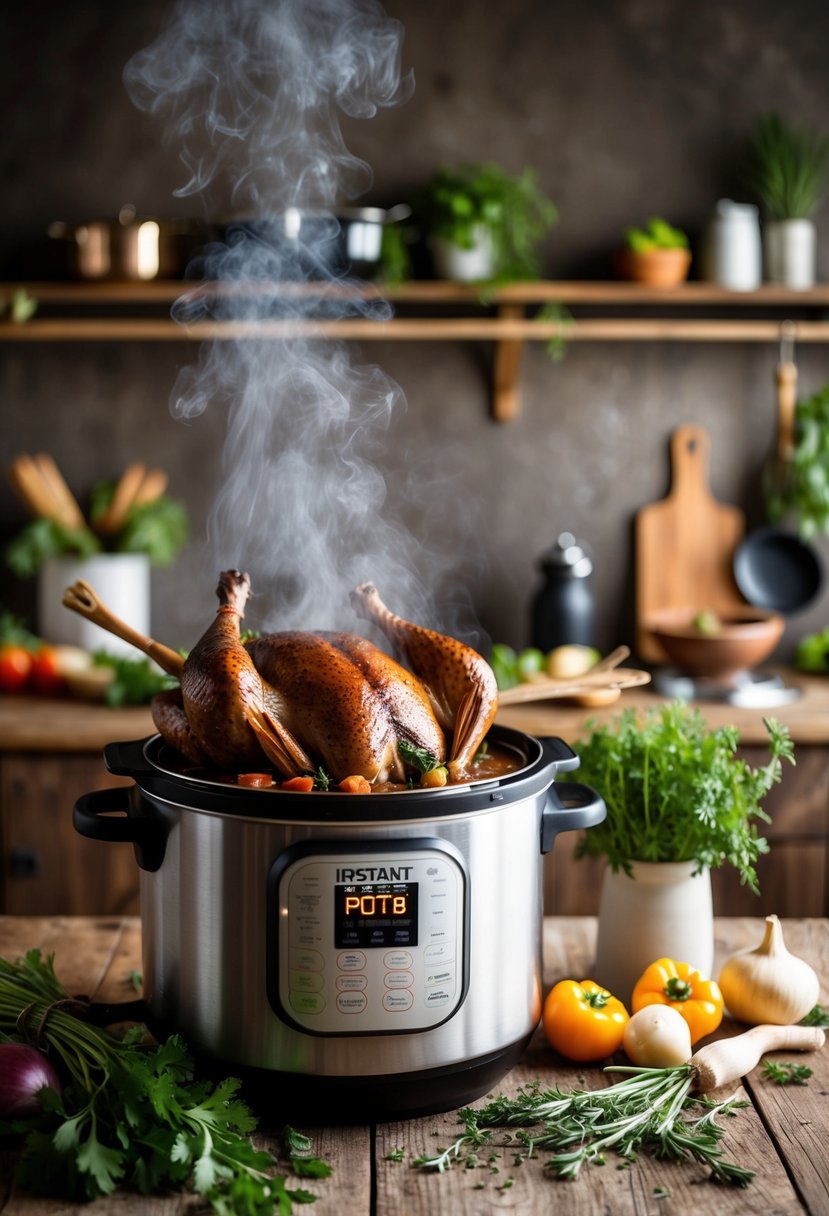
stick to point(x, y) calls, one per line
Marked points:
point(559, 753)
point(93, 818)
point(569, 805)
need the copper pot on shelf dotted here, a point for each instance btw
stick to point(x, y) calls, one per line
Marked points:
point(130, 248)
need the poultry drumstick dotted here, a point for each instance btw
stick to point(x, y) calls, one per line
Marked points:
point(460, 683)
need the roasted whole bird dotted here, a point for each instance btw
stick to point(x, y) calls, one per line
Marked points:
point(301, 701)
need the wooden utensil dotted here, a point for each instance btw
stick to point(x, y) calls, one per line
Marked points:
point(112, 519)
point(546, 689)
point(685, 544)
point(778, 471)
point(40, 484)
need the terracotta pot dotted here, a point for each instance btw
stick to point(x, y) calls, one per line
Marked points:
point(745, 638)
point(656, 268)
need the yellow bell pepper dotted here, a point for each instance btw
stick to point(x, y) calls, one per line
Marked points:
point(583, 1021)
point(667, 982)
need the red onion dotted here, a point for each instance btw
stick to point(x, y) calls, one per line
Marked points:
point(23, 1071)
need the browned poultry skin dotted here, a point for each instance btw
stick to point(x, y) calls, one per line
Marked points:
point(331, 706)
point(222, 692)
point(460, 683)
point(170, 720)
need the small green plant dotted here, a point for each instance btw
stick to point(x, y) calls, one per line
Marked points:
point(457, 202)
point(786, 168)
point(676, 791)
point(804, 493)
point(657, 234)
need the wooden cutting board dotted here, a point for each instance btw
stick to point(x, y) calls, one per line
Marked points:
point(685, 543)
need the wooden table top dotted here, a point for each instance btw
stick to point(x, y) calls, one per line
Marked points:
point(782, 1134)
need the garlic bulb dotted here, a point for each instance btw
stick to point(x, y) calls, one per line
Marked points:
point(769, 984)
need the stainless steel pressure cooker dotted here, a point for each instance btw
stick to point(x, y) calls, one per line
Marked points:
point(373, 956)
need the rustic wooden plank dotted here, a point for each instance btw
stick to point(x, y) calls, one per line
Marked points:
point(62, 725)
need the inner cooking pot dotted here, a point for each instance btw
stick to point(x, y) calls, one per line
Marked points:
point(380, 953)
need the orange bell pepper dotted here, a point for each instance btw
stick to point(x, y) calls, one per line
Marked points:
point(583, 1021)
point(667, 982)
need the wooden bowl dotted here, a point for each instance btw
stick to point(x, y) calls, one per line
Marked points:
point(744, 639)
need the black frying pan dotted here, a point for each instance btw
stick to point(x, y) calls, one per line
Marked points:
point(775, 569)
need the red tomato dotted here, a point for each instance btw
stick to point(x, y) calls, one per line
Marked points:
point(46, 674)
point(15, 667)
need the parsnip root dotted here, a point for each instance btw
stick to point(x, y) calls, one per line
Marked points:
point(728, 1060)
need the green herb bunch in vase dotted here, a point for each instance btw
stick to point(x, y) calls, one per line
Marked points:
point(680, 802)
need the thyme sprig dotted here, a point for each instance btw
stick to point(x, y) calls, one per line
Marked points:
point(648, 1110)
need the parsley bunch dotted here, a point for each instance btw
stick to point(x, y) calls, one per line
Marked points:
point(677, 792)
point(132, 1115)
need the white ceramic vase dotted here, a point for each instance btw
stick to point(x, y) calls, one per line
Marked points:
point(120, 580)
point(459, 265)
point(663, 911)
point(790, 253)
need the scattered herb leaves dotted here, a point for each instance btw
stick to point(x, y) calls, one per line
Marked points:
point(417, 757)
point(815, 1017)
point(781, 1072)
point(644, 1111)
point(395, 1154)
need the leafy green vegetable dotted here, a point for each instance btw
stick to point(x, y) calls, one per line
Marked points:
point(298, 1151)
point(158, 529)
point(579, 1127)
point(14, 633)
point(136, 681)
point(131, 1116)
point(418, 757)
point(22, 307)
point(504, 662)
point(804, 492)
point(815, 1017)
point(784, 1073)
point(44, 538)
point(657, 234)
point(812, 652)
point(676, 792)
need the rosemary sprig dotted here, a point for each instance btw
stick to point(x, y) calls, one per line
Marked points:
point(648, 1110)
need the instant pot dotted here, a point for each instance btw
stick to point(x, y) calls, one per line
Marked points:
point(378, 956)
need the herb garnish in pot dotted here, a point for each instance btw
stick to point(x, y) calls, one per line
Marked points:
point(130, 1115)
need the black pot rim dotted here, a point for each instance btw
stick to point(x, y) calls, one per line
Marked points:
point(142, 760)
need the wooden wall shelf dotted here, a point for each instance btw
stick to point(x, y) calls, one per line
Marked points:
point(508, 316)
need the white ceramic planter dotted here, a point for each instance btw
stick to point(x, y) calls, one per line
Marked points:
point(790, 253)
point(458, 265)
point(663, 911)
point(121, 581)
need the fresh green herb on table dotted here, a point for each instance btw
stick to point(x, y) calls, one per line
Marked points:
point(815, 1017)
point(642, 1112)
point(676, 791)
point(134, 682)
point(784, 1073)
point(812, 653)
point(132, 1116)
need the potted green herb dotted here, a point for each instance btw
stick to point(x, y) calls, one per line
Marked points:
point(787, 168)
point(680, 802)
point(485, 225)
point(656, 254)
point(802, 493)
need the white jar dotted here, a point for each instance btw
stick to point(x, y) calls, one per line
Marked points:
point(732, 255)
point(120, 580)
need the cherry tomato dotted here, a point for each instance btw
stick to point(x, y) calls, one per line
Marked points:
point(15, 667)
point(46, 674)
point(583, 1021)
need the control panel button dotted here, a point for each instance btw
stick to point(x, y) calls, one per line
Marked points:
point(352, 1002)
point(307, 960)
point(398, 1002)
point(398, 960)
point(437, 997)
point(398, 979)
point(351, 960)
point(443, 952)
point(351, 983)
point(305, 981)
point(442, 978)
point(306, 1002)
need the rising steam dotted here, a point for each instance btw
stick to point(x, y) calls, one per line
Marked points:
point(251, 92)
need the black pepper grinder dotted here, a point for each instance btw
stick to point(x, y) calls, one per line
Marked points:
point(564, 610)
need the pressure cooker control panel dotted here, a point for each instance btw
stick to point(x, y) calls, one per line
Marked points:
point(368, 940)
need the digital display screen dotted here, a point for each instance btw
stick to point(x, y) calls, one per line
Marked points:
point(375, 914)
